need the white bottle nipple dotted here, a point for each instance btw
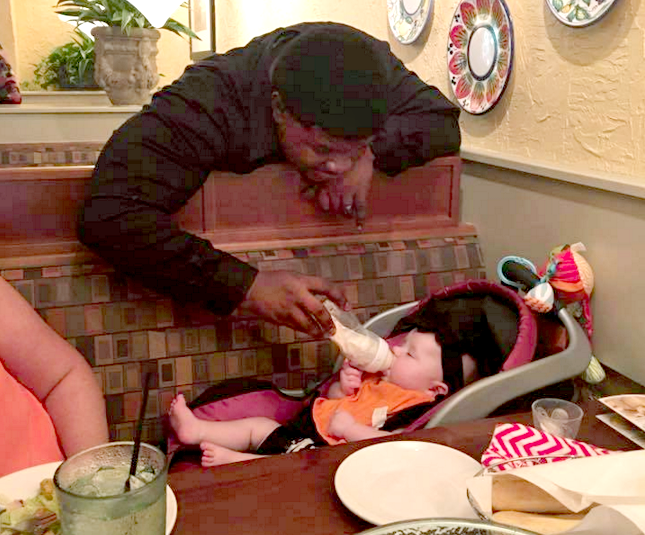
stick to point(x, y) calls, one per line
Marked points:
point(364, 349)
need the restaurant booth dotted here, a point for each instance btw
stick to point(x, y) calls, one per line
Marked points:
point(413, 242)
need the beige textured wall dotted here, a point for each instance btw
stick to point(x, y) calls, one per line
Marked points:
point(39, 30)
point(576, 96)
point(7, 38)
point(239, 21)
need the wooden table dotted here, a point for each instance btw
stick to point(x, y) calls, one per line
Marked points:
point(294, 494)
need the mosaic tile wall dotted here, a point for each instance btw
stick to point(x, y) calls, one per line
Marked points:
point(48, 154)
point(124, 330)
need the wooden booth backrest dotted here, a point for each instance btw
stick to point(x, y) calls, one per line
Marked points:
point(412, 243)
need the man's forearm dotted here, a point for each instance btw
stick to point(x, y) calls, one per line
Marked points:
point(146, 245)
point(415, 139)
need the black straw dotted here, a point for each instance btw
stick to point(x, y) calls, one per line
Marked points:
point(137, 436)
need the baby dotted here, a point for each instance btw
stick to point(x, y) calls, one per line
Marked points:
point(354, 408)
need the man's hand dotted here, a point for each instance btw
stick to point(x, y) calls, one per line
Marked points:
point(350, 378)
point(289, 298)
point(348, 195)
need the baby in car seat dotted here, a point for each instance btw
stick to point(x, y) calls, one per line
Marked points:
point(438, 348)
point(354, 408)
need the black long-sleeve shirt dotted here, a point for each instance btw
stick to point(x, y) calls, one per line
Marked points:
point(217, 116)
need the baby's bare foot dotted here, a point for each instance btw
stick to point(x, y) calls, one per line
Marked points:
point(216, 455)
point(184, 423)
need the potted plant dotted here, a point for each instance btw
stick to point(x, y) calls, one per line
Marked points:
point(125, 48)
point(69, 66)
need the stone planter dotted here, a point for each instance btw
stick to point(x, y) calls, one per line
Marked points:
point(126, 65)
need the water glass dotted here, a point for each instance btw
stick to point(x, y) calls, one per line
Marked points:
point(90, 488)
point(557, 417)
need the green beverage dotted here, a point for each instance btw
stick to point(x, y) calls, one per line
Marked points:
point(90, 488)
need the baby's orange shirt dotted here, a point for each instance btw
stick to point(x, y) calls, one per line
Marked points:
point(373, 393)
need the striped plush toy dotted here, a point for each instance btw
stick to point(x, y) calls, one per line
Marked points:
point(567, 277)
point(572, 280)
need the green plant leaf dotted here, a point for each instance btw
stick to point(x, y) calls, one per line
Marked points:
point(69, 64)
point(126, 17)
point(178, 28)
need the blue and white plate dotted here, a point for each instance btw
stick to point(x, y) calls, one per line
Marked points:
point(408, 18)
point(578, 13)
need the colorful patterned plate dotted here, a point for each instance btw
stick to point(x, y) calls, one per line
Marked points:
point(480, 53)
point(445, 526)
point(579, 13)
point(407, 18)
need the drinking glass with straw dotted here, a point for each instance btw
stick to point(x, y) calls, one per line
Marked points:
point(114, 488)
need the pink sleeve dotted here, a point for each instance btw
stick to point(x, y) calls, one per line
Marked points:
point(28, 437)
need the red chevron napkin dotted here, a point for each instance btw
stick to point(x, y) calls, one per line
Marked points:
point(516, 441)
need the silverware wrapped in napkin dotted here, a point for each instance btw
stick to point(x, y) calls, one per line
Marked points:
point(585, 496)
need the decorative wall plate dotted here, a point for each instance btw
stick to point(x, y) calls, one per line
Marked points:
point(407, 18)
point(480, 53)
point(579, 13)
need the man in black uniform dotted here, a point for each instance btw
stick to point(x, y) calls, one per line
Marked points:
point(325, 97)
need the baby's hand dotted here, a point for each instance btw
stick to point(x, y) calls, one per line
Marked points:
point(339, 423)
point(350, 378)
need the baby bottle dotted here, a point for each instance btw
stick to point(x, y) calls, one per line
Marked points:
point(363, 348)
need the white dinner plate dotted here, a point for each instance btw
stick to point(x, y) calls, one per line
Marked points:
point(25, 484)
point(406, 480)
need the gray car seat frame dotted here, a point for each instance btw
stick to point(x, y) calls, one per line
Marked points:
point(479, 399)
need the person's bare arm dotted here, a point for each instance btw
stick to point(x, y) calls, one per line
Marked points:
point(349, 382)
point(363, 432)
point(343, 425)
point(335, 391)
point(53, 371)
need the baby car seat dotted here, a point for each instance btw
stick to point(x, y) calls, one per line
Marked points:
point(478, 317)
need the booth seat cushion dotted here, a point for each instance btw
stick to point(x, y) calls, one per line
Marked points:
point(125, 330)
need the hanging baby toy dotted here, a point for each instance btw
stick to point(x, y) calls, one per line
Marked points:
point(571, 277)
point(567, 277)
